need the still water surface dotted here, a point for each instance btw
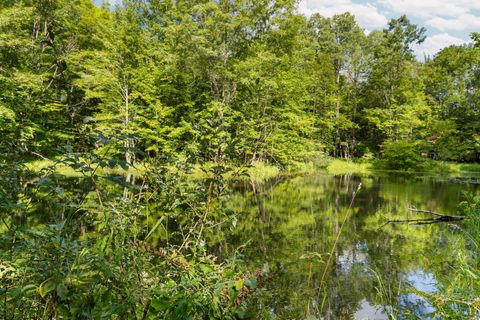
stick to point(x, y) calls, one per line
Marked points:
point(331, 253)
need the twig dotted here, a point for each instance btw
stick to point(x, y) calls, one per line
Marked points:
point(411, 220)
point(433, 212)
point(441, 218)
point(39, 155)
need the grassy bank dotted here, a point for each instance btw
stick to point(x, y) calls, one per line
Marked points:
point(341, 167)
point(461, 167)
point(63, 169)
point(442, 168)
point(261, 171)
point(451, 169)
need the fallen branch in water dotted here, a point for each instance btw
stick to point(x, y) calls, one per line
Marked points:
point(436, 213)
point(439, 218)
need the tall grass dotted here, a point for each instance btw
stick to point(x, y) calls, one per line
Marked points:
point(342, 167)
point(69, 172)
point(261, 171)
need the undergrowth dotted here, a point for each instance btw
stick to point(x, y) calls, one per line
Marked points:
point(92, 246)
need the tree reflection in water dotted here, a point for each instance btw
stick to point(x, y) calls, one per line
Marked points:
point(291, 225)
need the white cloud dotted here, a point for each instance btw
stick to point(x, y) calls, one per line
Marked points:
point(114, 2)
point(463, 22)
point(366, 15)
point(446, 16)
point(432, 8)
point(110, 2)
point(435, 43)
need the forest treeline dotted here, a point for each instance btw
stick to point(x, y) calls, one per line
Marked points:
point(230, 80)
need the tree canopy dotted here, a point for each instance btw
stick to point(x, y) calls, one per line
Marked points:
point(230, 80)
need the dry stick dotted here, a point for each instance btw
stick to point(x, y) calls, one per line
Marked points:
point(440, 218)
point(336, 241)
point(411, 220)
point(187, 237)
point(434, 213)
point(146, 309)
point(425, 211)
point(39, 155)
point(207, 211)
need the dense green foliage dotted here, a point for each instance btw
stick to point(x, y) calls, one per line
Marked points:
point(207, 80)
point(130, 98)
point(81, 247)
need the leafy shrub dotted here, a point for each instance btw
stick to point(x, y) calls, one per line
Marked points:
point(401, 155)
point(94, 255)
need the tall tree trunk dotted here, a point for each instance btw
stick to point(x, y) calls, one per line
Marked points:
point(128, 143)
point(353, 142)
point(337, 151)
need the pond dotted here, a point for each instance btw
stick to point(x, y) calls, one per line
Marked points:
point(332, 255)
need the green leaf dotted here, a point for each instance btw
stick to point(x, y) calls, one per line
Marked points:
point(232, 294)
point(239, 284)
point(17, 292)
point(62, 291)
point(229, 273)
point(251, 283)
point(112, 163)
point(241, 313)
point(29, 289)
point(45, 287)
point(206, 269)
point(155, 227)
point(159, 305)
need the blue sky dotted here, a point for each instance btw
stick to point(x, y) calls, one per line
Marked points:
point(447, 21)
